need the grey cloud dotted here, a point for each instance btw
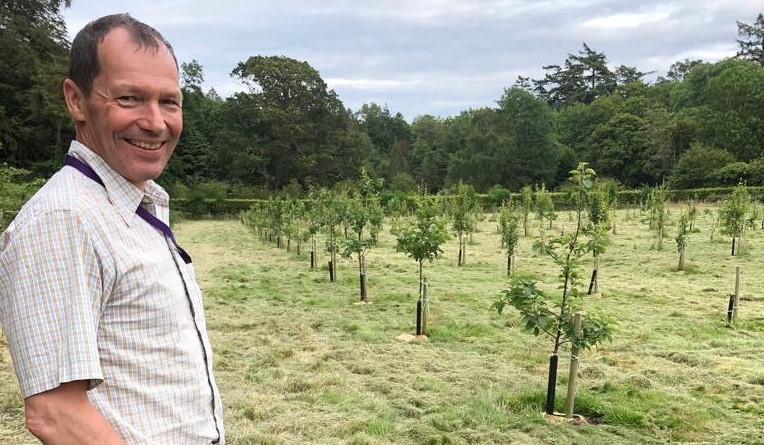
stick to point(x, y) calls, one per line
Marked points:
point(433, 56)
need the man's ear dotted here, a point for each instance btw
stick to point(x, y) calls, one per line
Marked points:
point(75, 100)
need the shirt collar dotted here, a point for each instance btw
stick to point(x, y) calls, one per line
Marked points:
point(122, 194)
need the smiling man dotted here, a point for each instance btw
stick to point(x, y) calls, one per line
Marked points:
point(99, 304)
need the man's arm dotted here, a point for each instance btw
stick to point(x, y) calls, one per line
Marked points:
point(64, 416)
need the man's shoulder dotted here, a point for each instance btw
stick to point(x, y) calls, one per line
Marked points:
point(64, 192)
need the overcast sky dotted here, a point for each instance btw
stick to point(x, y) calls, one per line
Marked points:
point(437, 57)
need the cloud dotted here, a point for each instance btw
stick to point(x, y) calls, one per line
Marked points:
point(432, 56)
point(626, 20)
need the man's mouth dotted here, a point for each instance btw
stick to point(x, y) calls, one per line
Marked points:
point(145, 145)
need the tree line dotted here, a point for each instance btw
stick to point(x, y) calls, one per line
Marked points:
point(697, 126)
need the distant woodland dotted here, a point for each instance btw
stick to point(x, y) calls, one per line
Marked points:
point(699, 125)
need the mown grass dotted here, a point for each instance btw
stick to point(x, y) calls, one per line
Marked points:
point(299, 362)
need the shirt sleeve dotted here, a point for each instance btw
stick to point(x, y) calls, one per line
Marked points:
point(50, 302)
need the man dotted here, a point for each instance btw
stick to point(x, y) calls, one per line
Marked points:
point(100, 307)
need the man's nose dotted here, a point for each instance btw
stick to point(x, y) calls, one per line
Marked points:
point(153, 118)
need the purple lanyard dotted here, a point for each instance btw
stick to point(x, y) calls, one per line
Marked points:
point(140, 211)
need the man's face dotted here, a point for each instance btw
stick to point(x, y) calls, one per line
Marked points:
point(133, 117)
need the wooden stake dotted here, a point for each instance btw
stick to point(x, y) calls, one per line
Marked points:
point(425, 306)
point(573, 375)
point(737, 294)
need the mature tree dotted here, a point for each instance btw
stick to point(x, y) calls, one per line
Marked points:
point(731, 113)
point(429, 157)
point(619, 149)
point(390, 136)
point(292, 125)
point(34, 123)
point(192, 160)
point(529, 122)
point(752, 40)
point(696, 167)
point(482, 149)
point(583, 78)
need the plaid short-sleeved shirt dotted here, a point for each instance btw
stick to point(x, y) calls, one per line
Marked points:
point(90, 291)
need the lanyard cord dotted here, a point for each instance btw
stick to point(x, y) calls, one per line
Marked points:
point(167, 232)
point(140, 211)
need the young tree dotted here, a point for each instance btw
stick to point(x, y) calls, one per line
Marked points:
point(597, 228)
point(332, 216)
point(276, 218)
point(611, 189)
point(683, 231)
point(313, 215)
point(534, 305)
point(732, 215)
point(421, 240)
point(544, 206)
point(508, 226)
point(526, 201)
point(656, 207)
point(462, 207)
point(363, 215)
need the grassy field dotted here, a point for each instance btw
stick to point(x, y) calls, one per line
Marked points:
point(298, 362)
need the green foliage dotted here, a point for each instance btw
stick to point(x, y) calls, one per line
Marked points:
point(289, 132)
point(598, 210)
point(34, 122)
point(496, 197)
point(541, 313)
point(15, 189)
point(462, 206)
point(421, 239)
point(682, 232)
point(697, 166)
point(733, 212)
point(544, 205)
point(530, 124)
point(752, 40)
point(509, 223)
point(538, 318)
point(363, 216)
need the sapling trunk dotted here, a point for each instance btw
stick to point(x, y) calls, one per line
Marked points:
point(730, 309)
point(313, 259)
point(573, 374)
point(593, 283)
point(681, 259)
point(362, 276)
point(736, 294)
point(425, 305)
point(567, 275)
point(419, 302)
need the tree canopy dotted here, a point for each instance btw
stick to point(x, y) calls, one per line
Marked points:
point(700, 124)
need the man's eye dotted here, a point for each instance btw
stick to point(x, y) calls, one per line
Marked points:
point(128, 100)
